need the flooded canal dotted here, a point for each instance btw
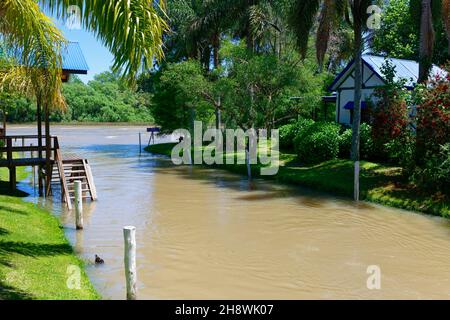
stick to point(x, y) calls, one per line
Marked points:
point(208, 234)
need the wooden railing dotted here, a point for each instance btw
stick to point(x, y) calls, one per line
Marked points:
point(26, 146)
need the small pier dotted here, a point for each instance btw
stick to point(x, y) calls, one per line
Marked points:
point(54, 168)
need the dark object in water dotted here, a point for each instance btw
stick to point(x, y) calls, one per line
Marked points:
point(99, 260)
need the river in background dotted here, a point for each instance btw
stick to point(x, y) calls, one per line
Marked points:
point(209, 234)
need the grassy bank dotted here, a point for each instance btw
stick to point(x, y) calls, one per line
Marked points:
point(379, 183)
point(34, 253)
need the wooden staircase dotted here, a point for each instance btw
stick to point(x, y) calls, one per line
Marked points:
point(65, 171)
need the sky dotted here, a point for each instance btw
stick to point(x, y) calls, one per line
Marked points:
point(98, 57)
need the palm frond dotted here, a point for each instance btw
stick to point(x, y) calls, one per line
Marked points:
point(34, 44)
point(327, 20)
point(131, 29)
point(301, 21)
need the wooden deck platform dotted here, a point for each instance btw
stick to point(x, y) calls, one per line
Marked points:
point(22, 162)
point(54, 168)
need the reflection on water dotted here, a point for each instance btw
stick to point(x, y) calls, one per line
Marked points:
point(207, 234)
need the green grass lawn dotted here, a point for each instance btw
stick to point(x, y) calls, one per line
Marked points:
point(379, 183)
point(34, 253)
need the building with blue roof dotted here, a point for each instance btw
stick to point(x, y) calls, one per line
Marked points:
point(73, 61)
point(344, 84)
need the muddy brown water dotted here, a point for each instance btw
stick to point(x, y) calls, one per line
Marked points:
point(208, 234)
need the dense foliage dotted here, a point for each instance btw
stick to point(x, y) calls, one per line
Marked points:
point(390, 114)
point(104, 99)
point(432, 147)
point(178, 98)
point(399, 34)
point(433, 116)
point(367, 145)
point(318, 142)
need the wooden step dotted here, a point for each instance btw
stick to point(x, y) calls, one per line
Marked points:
point(76, 178)
point(83, 197)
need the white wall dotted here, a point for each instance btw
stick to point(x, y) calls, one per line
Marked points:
point(346, 94)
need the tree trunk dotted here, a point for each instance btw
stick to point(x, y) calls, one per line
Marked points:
point(39, 133)
point(446, 17)
point(357, 102)
point(426, 40)
point(216, 48)
point(48, 142)
point(218, 115)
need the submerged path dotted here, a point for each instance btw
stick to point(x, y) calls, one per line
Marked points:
point(208, 234)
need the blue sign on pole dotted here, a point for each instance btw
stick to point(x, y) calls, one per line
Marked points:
point(154, 130)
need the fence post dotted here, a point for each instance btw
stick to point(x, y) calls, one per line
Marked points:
point(78, 205)
point(129, 234)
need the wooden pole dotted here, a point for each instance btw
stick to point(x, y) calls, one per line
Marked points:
point(78, 205)
point(48, 151)
point(39, 131)
point(247, 161)
point(129, 234)
point(140, 143)
point(12, 177)
point(33, 169)
point(356, 182)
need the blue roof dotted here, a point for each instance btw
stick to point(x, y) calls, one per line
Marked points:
point(73, 59)
point(405, 69)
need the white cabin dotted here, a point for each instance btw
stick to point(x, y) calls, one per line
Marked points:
point(344, 84)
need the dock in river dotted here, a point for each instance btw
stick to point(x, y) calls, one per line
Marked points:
point(54, 167)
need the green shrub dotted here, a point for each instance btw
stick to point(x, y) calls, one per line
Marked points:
point(434, 175)
point(288, 133)
point(401, 151)
point(318, 142)
point(366, 143)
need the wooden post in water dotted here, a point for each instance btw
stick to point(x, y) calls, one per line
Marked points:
point(129, 235)
point(33, 169)
point(78, 205)
point(247, 162)
point(356, 181)
point(140, 143)
point(39, 133)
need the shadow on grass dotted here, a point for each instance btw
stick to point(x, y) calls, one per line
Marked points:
point(32, 249)
point(9, 209)
point(3, 231)
point(7, 248)
point(5, 190)
point(11, 293)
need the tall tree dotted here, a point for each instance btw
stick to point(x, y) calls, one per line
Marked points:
point(303, 15)
point(427, 37)
point(428, 14)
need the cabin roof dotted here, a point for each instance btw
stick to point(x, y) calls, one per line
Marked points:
point(405, 69)
point(73, 60)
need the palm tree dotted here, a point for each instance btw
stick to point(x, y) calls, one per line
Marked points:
point(446, 17)
point(303, 15)
point(427, 38)
point(427, 13)
point(132, 30)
